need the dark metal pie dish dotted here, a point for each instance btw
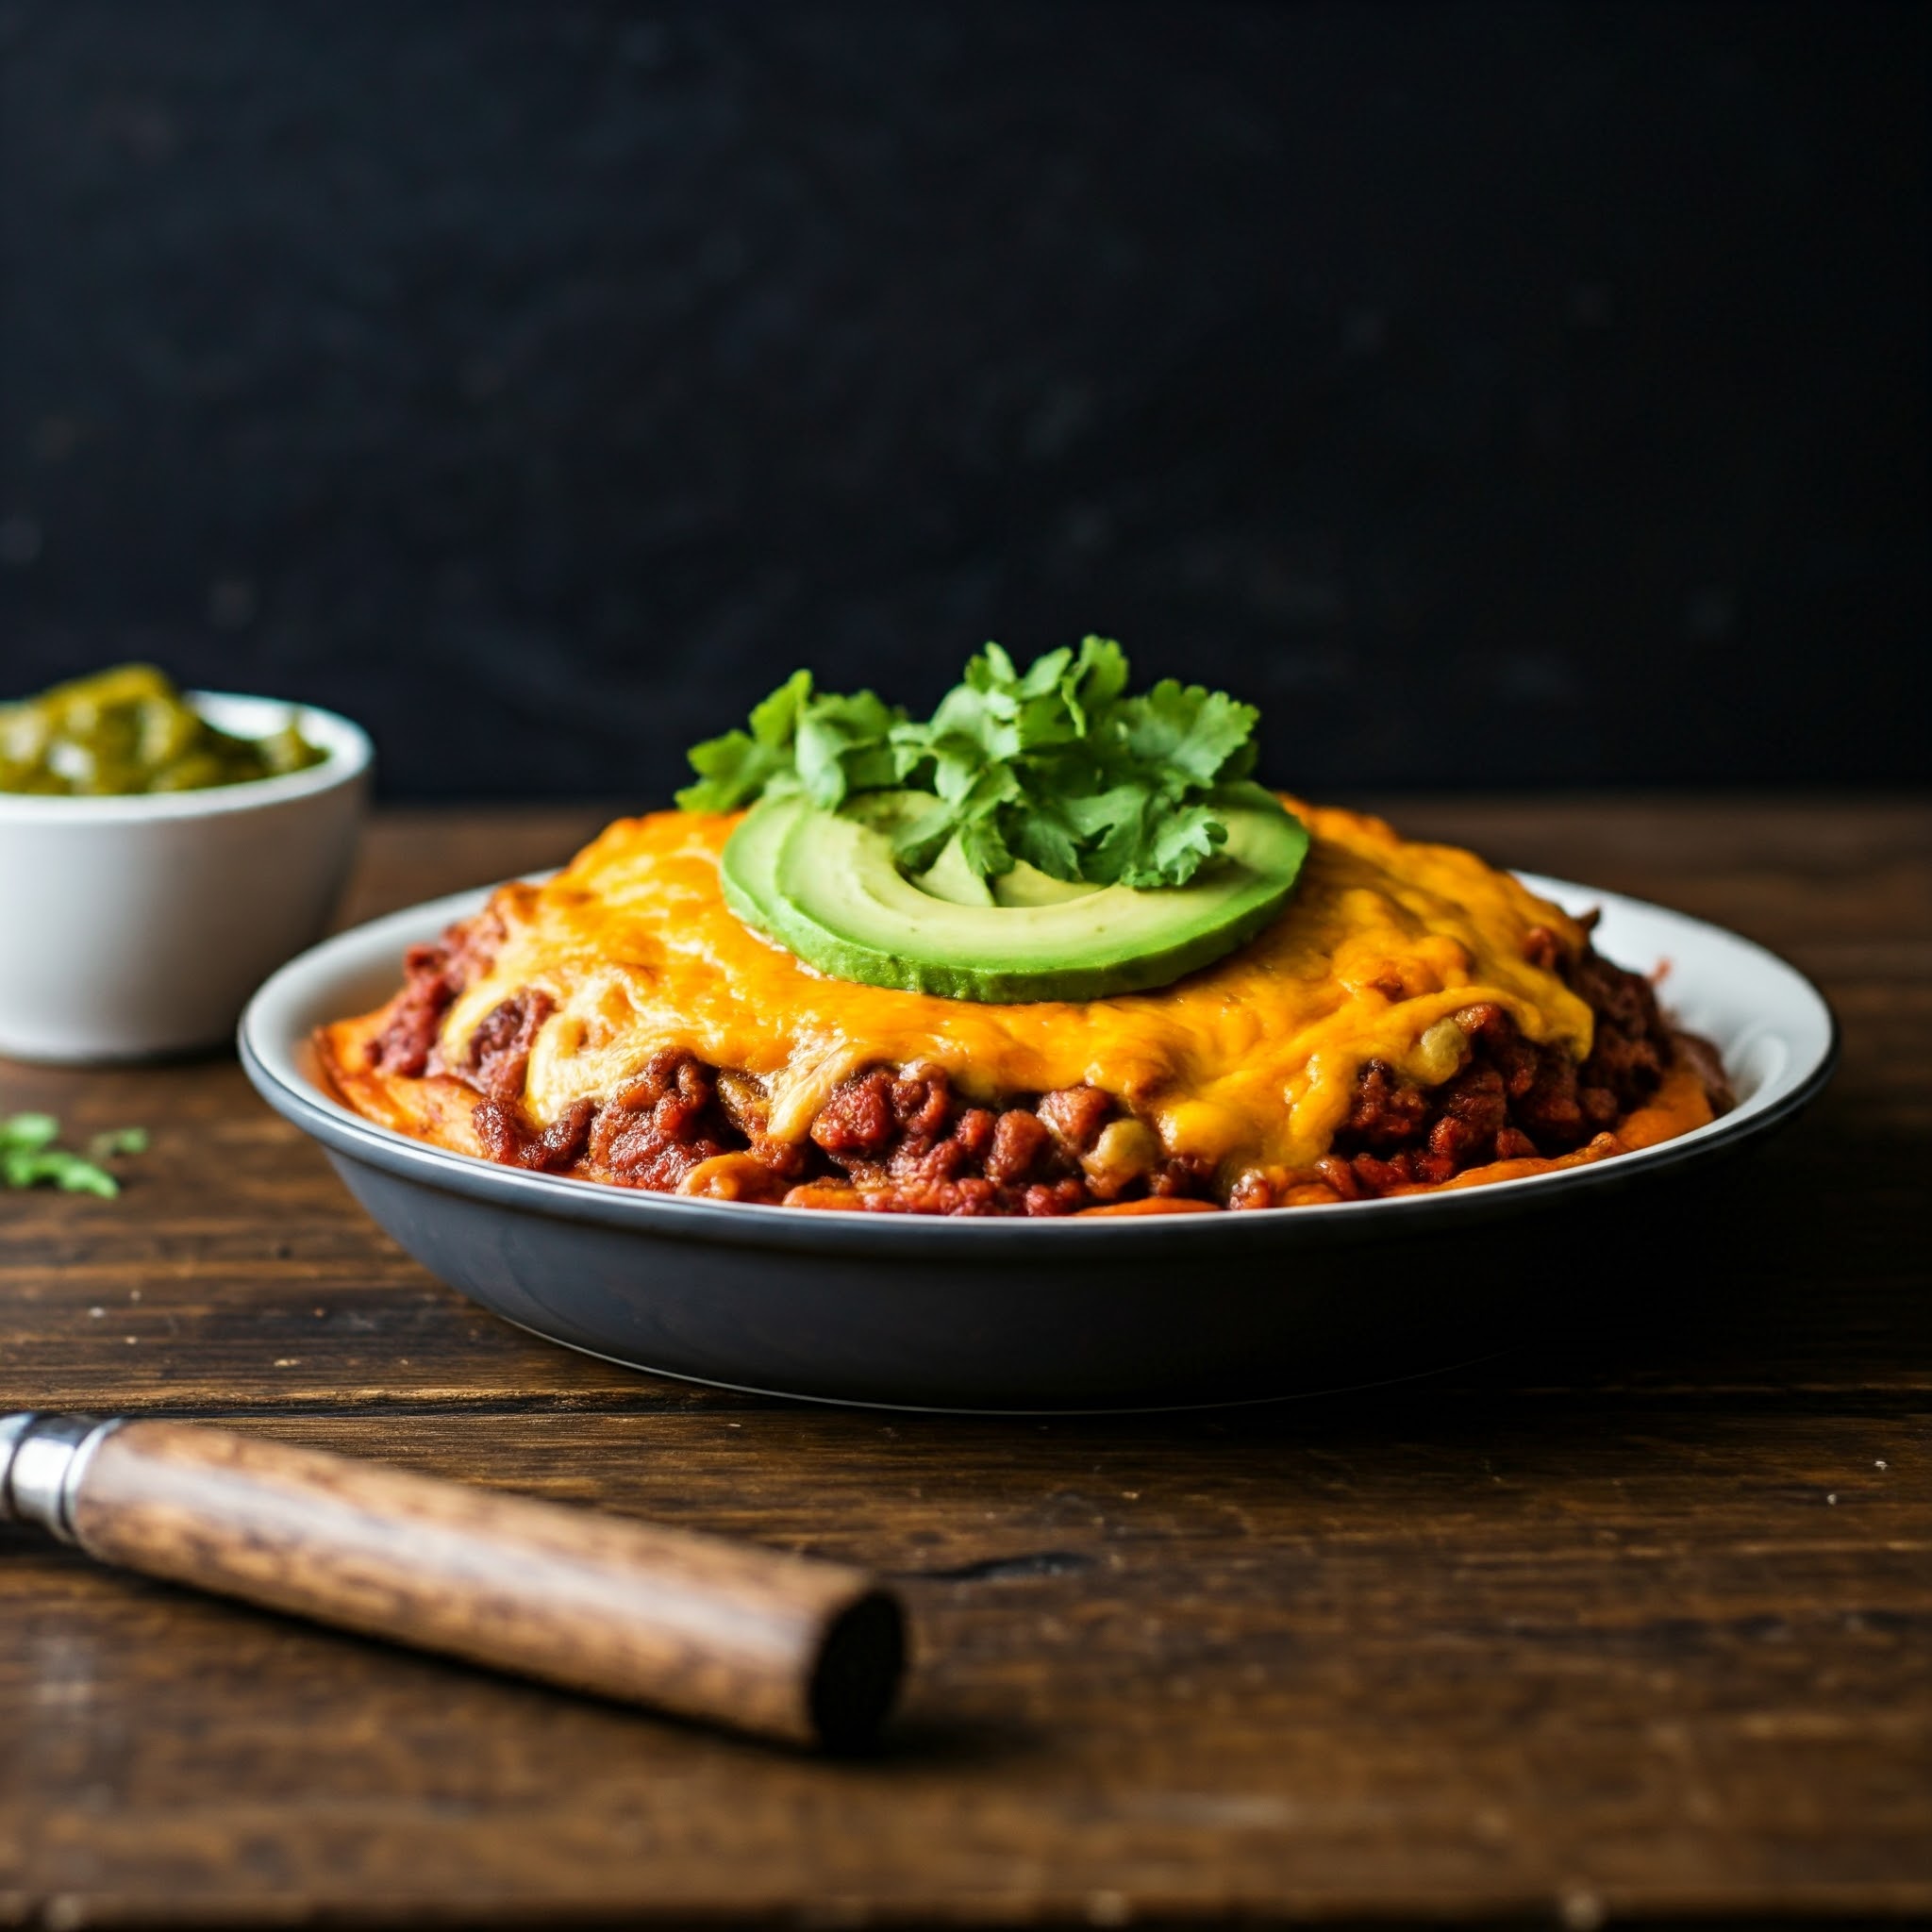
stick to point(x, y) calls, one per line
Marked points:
point(1046, 1315)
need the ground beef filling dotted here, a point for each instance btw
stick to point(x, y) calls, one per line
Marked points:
point(900, 1141)
point(433, 976)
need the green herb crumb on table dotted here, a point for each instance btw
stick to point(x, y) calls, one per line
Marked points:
point(31, 1157)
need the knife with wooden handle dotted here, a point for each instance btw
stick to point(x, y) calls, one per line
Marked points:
point(809, 1652)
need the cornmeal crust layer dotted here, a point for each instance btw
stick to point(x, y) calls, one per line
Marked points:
point(1414, 1019)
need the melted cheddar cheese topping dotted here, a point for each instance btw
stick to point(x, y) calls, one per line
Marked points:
point(1250, 1064)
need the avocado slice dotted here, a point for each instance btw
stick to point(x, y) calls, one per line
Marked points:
point(825, 885)
point(748, 870)
point(950, 877)
point(1027, 885)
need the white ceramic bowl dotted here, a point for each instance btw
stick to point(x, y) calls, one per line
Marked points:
point(131, 927)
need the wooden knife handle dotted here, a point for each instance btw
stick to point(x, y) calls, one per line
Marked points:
point(806, 1651)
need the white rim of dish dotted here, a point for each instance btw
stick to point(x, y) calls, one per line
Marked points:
point(1787, 1086)
point(346, 748)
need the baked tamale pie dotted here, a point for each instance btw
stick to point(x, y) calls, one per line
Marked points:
point(1049, 952)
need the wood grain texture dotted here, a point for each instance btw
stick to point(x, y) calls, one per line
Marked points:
point(1635, 1620)
point(724, 1631)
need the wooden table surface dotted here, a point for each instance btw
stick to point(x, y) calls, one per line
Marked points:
point(1635, 1620)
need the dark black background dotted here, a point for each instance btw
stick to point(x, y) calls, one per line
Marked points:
point(1499, 394)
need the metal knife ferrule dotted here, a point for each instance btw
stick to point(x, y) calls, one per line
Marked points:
point(42, 1458)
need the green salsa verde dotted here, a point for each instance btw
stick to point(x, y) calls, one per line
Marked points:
point(129, 730)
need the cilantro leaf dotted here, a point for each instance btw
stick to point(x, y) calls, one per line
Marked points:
point(1055, 764)
point(826, 745)
point(1045, 840)
point(739, 766)
point(1192, 735)
point(1181, 841)
point(844, 744)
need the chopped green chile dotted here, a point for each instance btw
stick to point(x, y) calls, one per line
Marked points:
point(129, 730)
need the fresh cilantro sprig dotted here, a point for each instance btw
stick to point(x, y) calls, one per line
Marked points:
point(1057, 765)
point(799, 738)
point(29, 1155)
